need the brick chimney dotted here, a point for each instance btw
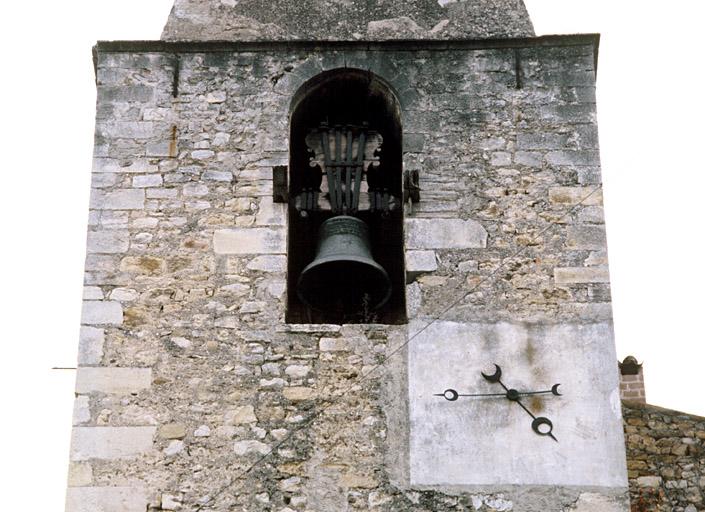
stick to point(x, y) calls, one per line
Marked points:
point(631, 380)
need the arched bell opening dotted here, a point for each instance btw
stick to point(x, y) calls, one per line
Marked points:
point(345, 254)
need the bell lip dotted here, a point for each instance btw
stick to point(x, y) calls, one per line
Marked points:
point(356, 259)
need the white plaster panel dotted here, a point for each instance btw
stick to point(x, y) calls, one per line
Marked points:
point(489, 441)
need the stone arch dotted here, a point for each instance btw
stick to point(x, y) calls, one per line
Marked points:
point(316, 68)
point(377, 84)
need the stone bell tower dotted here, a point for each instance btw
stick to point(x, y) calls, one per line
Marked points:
point(347, 255)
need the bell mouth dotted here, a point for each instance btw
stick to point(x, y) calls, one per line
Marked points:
point(344, 276)
point(353, 284)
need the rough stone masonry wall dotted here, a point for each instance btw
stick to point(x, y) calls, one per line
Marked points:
point(188, 373)
point(666, 459)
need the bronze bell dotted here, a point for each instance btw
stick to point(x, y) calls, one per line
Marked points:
point(343, 275)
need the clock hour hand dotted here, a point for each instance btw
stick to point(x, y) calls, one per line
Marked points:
point(541, 425)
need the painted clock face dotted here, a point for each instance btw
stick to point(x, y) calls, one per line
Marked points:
point(524, 428)
point(540, 424)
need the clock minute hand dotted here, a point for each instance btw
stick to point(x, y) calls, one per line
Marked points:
point(485, 394)
point(553, 390)
point(452, 395)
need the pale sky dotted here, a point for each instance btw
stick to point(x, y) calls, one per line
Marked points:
point(651, 110)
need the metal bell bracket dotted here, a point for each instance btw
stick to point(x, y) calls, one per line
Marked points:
point(347, 155)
